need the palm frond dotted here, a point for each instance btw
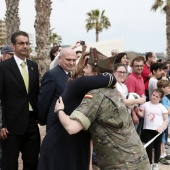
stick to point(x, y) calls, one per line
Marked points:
point(157, 4)
point(97, 20)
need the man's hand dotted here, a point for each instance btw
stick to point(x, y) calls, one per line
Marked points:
point(59, 104)
point(84, 47)
point(3, 133)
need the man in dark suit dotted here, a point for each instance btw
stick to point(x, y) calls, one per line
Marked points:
point(52, 86)
point(18, 93)
point(7, 52)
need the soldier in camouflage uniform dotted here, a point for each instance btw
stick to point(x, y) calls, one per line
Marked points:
point(115, 140)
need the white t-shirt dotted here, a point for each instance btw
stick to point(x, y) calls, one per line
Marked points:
point(121, 88)
point(152, 86)
point(153, 117)
point(55, 62)
point(129, 69)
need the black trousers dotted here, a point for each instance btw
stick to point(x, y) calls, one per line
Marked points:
point(147, 135)
point(28, 144)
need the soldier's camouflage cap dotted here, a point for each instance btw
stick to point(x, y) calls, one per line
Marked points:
point(100, 61)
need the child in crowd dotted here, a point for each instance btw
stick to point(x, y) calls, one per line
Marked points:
point(155, 121)
point(165, 86)
point(156, 70)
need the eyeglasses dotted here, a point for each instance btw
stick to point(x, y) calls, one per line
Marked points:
point(23, 43)
point(121, 72)
point(138, 66)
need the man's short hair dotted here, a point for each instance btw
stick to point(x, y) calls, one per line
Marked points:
point(115, 51)
point(137, 59)
point(155, 67)
point(16, 34)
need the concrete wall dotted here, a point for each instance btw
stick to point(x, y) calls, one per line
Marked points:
point(106, 47)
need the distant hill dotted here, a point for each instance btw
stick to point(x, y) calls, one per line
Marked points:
point(133, 54)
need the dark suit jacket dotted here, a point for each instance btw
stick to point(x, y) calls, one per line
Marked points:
point(0, 115)
point(15, 108)
point(52, 85)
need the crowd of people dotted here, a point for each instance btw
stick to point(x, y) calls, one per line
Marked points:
point(82, 100)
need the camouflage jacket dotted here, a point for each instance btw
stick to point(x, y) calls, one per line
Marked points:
point(115, 140)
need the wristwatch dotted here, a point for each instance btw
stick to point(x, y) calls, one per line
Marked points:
point(57, 111)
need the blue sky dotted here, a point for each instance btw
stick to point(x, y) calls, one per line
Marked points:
point(142, 29)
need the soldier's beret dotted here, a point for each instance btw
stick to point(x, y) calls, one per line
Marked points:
point(100, 61)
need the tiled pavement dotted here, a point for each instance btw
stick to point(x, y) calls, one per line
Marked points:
point(42, 132)
point(165, 167)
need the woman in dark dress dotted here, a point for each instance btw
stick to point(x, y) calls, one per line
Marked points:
point(61, 151)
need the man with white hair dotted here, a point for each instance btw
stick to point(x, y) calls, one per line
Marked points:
point(53, 84)
point(114, 52)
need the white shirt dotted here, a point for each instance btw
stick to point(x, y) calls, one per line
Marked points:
point(153, 117)
point(152, 86)
point(55, 62)
point(19, 62)
point(121, 88)
point(129, 69)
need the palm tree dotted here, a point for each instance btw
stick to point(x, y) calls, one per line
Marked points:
point(165, 6)
point(59, 39)
point(2, 41)
point(98, 21)
point(55, 39)
point(42, 29)
point(12, 20)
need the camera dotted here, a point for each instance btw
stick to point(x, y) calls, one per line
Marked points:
point(82, 42)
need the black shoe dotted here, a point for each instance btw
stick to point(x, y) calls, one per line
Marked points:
point(167, 157)
point(164, 161)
